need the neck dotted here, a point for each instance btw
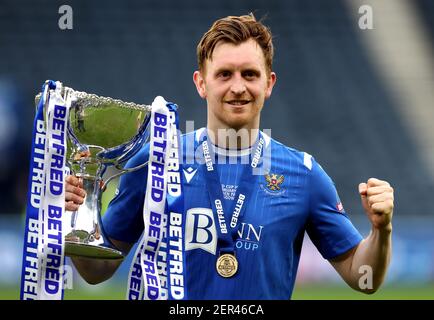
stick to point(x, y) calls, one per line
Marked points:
point(229, 138)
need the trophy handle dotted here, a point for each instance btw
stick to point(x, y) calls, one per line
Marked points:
point(122, 171)
point(85, 235)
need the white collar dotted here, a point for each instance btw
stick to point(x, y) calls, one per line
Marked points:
point(230, 152)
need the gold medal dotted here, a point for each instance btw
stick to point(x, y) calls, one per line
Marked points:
point(227, 265)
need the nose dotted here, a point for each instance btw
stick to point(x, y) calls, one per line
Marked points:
point(238, 87)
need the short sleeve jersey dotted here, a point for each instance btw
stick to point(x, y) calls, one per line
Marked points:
point(294, 196)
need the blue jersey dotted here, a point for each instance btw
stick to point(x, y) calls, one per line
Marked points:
point(294, 195)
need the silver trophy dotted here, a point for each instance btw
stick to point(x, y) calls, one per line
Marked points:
point(102, 133)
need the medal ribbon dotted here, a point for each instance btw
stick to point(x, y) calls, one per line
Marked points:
point(227, 232)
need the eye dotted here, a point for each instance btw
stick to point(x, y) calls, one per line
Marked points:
point(250, 74)
point(224, 74)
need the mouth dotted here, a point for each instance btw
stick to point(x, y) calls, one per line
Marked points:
point(237, 102)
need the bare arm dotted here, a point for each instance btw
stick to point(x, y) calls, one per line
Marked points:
point(364, 267)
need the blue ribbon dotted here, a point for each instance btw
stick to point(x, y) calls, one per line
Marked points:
point(227, 239)
point(29, 286)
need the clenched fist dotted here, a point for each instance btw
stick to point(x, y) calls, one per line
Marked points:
point(377, 200)
point(74, 193)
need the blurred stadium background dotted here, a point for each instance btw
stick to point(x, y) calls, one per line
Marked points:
point(361, 101)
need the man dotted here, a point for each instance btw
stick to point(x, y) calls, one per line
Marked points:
point(252, 205)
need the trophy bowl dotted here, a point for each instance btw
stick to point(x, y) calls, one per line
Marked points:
point(102, 132)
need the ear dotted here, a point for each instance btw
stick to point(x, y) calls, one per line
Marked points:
point(270, 84)
point(200, 84)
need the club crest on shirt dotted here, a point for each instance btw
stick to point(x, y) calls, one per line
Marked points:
point(274, 181)
point(273, 184)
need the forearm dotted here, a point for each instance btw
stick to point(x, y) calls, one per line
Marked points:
point(371, 260)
